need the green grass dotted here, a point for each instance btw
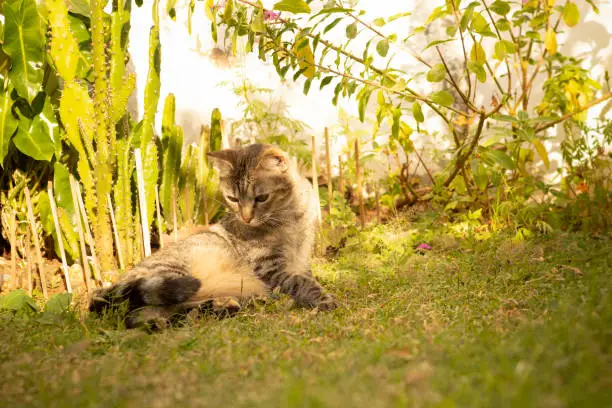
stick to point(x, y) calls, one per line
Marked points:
point(472, 323)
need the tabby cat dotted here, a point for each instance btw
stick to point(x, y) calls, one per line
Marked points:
point(264, 243)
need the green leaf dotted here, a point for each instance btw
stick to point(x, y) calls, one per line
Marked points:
point(18, 301)
point(477, 53)
point(478, 69)
point(437, 73)
point(500, 7)
point(382, 47)
point(59, 303)
point(326, 81)
point(305, 58)
point(417, 112)
point(539, 146)
point(466, 18)
point(503, 48)
point(395, 125)
point(257, 24)
point(437, 42)
point(8, 124)
point(229, 10)
point(451, 30)
point(351, 31)
point(332, 24)
point(503, 24)
point(550, 41)
point(292, 6)
point(34, 139)
point(363, 98)
point(438, 12)
point(24, 43)
point(480, 174)
point(43, 207)
point(479, 23)
point(61, 187)
point(499, 51)
point(399, 15)
point(68, 227)
point(307, 84)
point(501, 158)
point(571, 14)
point(82, 7)
point(443, 98)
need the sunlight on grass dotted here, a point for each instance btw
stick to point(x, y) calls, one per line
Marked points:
point(466, 324)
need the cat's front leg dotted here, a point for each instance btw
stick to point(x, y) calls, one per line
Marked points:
point(304, 289)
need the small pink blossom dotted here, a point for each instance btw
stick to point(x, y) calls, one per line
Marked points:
point(271, 15)
point(424, 246)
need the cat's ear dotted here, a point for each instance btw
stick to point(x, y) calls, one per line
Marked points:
point(223, 160)
point(273, 159)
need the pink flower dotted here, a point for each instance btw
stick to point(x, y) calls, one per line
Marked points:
point(271, 15)
point(424, 246)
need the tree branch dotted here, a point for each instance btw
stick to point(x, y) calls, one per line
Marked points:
point(461, 160)
point(569, 115)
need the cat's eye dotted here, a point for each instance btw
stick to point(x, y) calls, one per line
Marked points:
point(262, 198)
point(232, 199)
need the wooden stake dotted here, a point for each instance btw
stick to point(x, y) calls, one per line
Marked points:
point(84, 261)
point(159, 218)
point(377, 204)
point(116, 232)
point(58, 232)
point(187, 215)
point(88, 235)
point(174, 216)
point(142, 199)
point(12, 223)
point(139, 234)
point(315, 179)
point(39, 259)
point(330, 184)
point(29, 263)
point(359, 188)
point(340, 178)
point(205, 204)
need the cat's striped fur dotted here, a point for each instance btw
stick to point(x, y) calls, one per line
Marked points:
point(264, 243)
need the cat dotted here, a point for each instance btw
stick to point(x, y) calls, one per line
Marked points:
point(264, 243)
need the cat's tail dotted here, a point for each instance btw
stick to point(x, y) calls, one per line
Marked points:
point(153, 290)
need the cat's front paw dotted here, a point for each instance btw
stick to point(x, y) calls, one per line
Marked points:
point(326, 303)
point(225, 306)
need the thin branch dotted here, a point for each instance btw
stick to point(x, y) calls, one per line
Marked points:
point(424, 166)
point(373, 68)
point(569, 115)
point(380, 34)
point(528, 84)
point(454, 84)
point(500, 37)
point(461, 160)
point(411, 93)
point(465, 56)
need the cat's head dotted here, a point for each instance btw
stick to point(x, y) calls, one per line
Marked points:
point(257, 182)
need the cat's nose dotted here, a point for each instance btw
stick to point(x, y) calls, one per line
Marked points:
point(246, 214)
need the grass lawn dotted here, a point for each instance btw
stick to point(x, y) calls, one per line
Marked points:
point(489, 323)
